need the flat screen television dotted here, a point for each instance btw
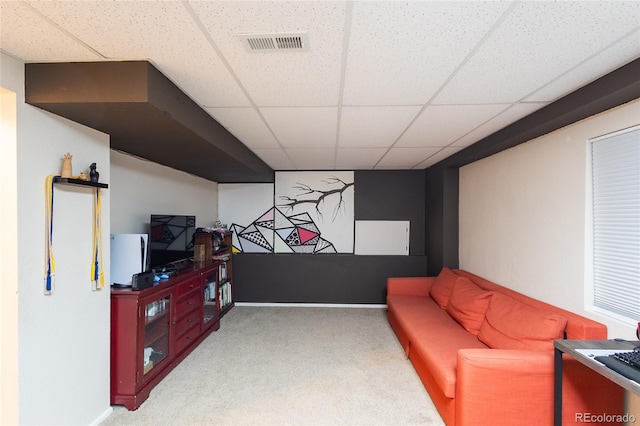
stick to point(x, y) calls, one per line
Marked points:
point(171, 238)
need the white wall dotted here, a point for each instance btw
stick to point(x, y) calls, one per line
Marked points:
point(8, 260)
point(63, 339)
point(522, 215)
point(140, 188)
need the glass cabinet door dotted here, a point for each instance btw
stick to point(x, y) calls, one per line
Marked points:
point(156, 332)
point(210, 296)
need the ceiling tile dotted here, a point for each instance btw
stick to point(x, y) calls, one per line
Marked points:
point(502, 120)
point(45, 42)
point(591, 69)
point(246, 125)
point(400, 53)
point(120, 31)
point(405, 158)
point(443, 124)
point(368, 127)
point(313, 158)
point(303, 127)
point(538, 42)
point(276, 158)
point(358, 159)
point(310, 78)
point(439, 156)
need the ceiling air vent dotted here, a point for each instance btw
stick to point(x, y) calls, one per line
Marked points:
point(275, 42)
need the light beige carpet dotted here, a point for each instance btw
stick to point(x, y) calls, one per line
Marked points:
point(291, 366)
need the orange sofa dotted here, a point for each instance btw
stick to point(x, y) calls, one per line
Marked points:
point(485, 353)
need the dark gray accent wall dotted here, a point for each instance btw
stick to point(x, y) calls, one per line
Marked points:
point(344, 278)
point(393, 195)
point(318, 278)
point(442, 218)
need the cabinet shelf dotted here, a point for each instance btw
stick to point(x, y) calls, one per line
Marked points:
point(157, 331)
point(71, 181)
point(221, 249)
point(155, 336)
point(151, 319)
point(158, 360)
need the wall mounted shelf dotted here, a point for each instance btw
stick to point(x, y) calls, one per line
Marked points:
point(70, 181)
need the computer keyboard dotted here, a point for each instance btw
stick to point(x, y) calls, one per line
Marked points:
point(624, 363)
point(631, 358)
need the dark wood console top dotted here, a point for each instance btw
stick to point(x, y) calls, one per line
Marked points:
point(186, 269)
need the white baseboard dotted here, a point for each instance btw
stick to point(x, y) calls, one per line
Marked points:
point(314, 305)
point(102, 416)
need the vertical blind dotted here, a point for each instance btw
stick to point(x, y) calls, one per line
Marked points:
point(616, 222)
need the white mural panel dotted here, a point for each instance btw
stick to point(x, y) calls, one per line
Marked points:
point(243, 202)
point(239, 207)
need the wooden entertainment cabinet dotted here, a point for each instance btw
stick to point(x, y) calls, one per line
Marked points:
point(154, 329)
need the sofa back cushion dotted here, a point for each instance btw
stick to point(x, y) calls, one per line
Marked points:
point(511, 324)
point(468, 304)
point(578, 327)
point(441, 289)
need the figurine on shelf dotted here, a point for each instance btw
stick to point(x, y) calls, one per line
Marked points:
point(66, 166)
point(93, 173)
point(83, 176)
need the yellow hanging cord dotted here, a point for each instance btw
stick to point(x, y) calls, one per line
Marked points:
point(50, 264)
point(94, 252)
point(97, 275)
point(100, 235)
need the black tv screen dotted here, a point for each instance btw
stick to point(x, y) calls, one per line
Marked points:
point(171, 238)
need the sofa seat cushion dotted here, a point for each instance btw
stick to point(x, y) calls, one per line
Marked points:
point(434, 337)
point(511, 324)
point(468, 304)
point(411, 311)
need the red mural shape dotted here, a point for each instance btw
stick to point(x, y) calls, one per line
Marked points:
point(306, 235)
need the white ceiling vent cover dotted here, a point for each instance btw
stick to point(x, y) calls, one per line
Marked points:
point(294, 42)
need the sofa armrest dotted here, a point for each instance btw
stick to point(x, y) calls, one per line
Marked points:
point(409, 286)
point(504, 387)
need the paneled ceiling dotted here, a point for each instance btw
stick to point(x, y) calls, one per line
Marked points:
point(380, 85)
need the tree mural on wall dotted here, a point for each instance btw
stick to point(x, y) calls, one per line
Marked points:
point(318, 196)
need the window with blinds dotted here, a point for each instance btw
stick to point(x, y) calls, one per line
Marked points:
point(616, 222)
